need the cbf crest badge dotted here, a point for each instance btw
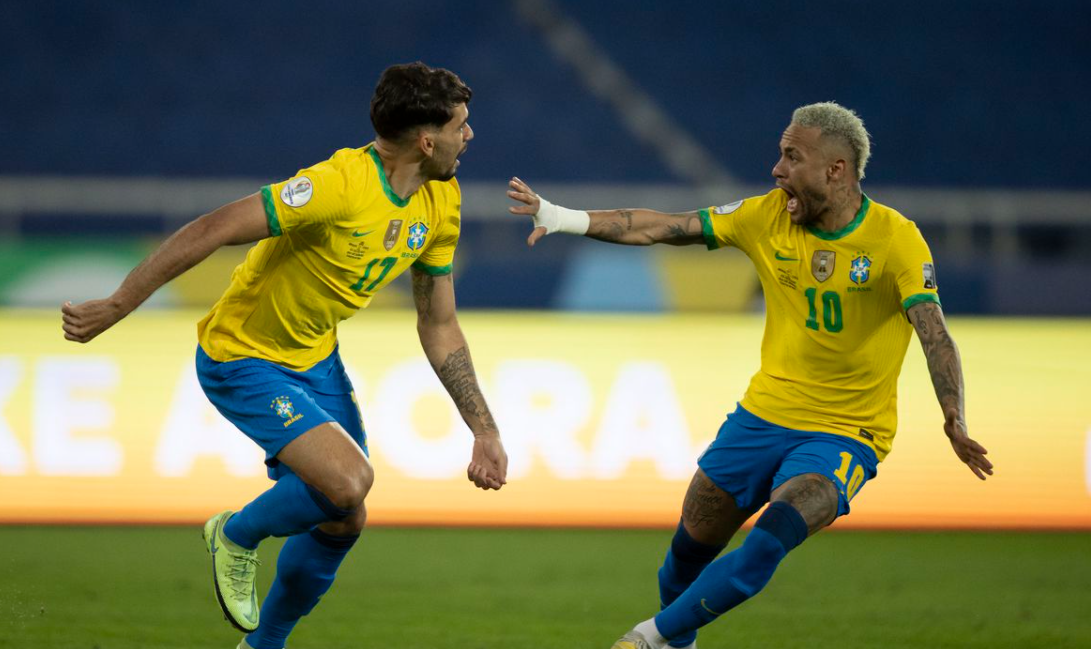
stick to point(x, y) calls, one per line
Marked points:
point(418, 232)
point(285, 410)
point(860, 270)
point(390, 239)
point(283, 407)
point(822, 263)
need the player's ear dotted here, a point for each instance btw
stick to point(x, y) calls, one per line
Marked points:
point(426, 142)
point(836, 169)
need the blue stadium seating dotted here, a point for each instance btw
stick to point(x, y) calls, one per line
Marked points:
point(969, 93)
point(962, 94)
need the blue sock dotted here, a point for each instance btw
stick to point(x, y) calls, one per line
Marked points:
point(305, 571)
point(738, 575)
point(290, 507)
point(685, 560)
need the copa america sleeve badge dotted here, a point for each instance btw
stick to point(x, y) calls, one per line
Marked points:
point(297, 191)
point(728, 209)
point(929, 276)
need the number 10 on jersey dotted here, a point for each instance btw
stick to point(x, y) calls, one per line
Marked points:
point(831, 310)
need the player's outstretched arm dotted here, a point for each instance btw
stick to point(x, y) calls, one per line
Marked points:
point(447, 351)
point(945, 366)
point(633, 227)
point(235, 223)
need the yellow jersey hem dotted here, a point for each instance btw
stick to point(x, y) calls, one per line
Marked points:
point(229, 357)
point(847, 431)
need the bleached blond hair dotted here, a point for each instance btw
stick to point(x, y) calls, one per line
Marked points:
point(836, 121)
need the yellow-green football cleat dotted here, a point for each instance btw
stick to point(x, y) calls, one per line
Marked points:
point(234, 573)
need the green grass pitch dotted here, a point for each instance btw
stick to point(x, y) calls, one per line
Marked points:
point(129, 588)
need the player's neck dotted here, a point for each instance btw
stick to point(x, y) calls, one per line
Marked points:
point(403, 172)
point(844, 206)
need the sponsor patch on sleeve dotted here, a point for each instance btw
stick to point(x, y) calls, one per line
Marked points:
point(297, 192)
point(929, 276)
point(728, 209)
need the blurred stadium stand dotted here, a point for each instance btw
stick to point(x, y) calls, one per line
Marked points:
point(121, 121)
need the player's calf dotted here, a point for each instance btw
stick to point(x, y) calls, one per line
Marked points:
point(737, 576)
point(306, 569)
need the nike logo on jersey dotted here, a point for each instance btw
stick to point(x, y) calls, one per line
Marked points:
point(362, 234)
point(781, 257)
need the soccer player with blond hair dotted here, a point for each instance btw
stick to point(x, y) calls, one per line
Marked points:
point(846, 280)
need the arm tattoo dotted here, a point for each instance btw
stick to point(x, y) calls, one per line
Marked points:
point(608, 230)
point(681, 231)
point(944, 363)
point(457, 375)
point(423, 283)
point(675, 232)
point(644, 227)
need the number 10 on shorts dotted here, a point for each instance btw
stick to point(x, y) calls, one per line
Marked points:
point(842, 473)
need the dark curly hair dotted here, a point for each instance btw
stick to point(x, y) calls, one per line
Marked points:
point(411, 95)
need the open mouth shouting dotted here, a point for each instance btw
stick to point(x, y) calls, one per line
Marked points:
point(793, 205)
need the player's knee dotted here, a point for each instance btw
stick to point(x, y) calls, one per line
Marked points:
point(825, 500)
point(814, 496)
point(354, 524)
point(365, 477)
point(350, 526)
point(348, 489)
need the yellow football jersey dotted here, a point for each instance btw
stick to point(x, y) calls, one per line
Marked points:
point(340, 234)
point(835, 326)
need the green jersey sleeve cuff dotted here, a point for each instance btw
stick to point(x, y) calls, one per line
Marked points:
point(432, 270)
point(270, 210)
point(706, 230)
point(914, 300)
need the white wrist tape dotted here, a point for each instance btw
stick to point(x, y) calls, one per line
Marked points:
point(555, 218)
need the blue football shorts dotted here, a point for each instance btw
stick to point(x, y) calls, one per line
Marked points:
point(751, 457)
point(273, 405)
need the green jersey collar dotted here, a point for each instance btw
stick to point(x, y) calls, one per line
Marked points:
point(394, 198)
point(845, 231)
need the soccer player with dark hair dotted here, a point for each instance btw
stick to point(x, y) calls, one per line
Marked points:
point(329, 238)
point(845, 280)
